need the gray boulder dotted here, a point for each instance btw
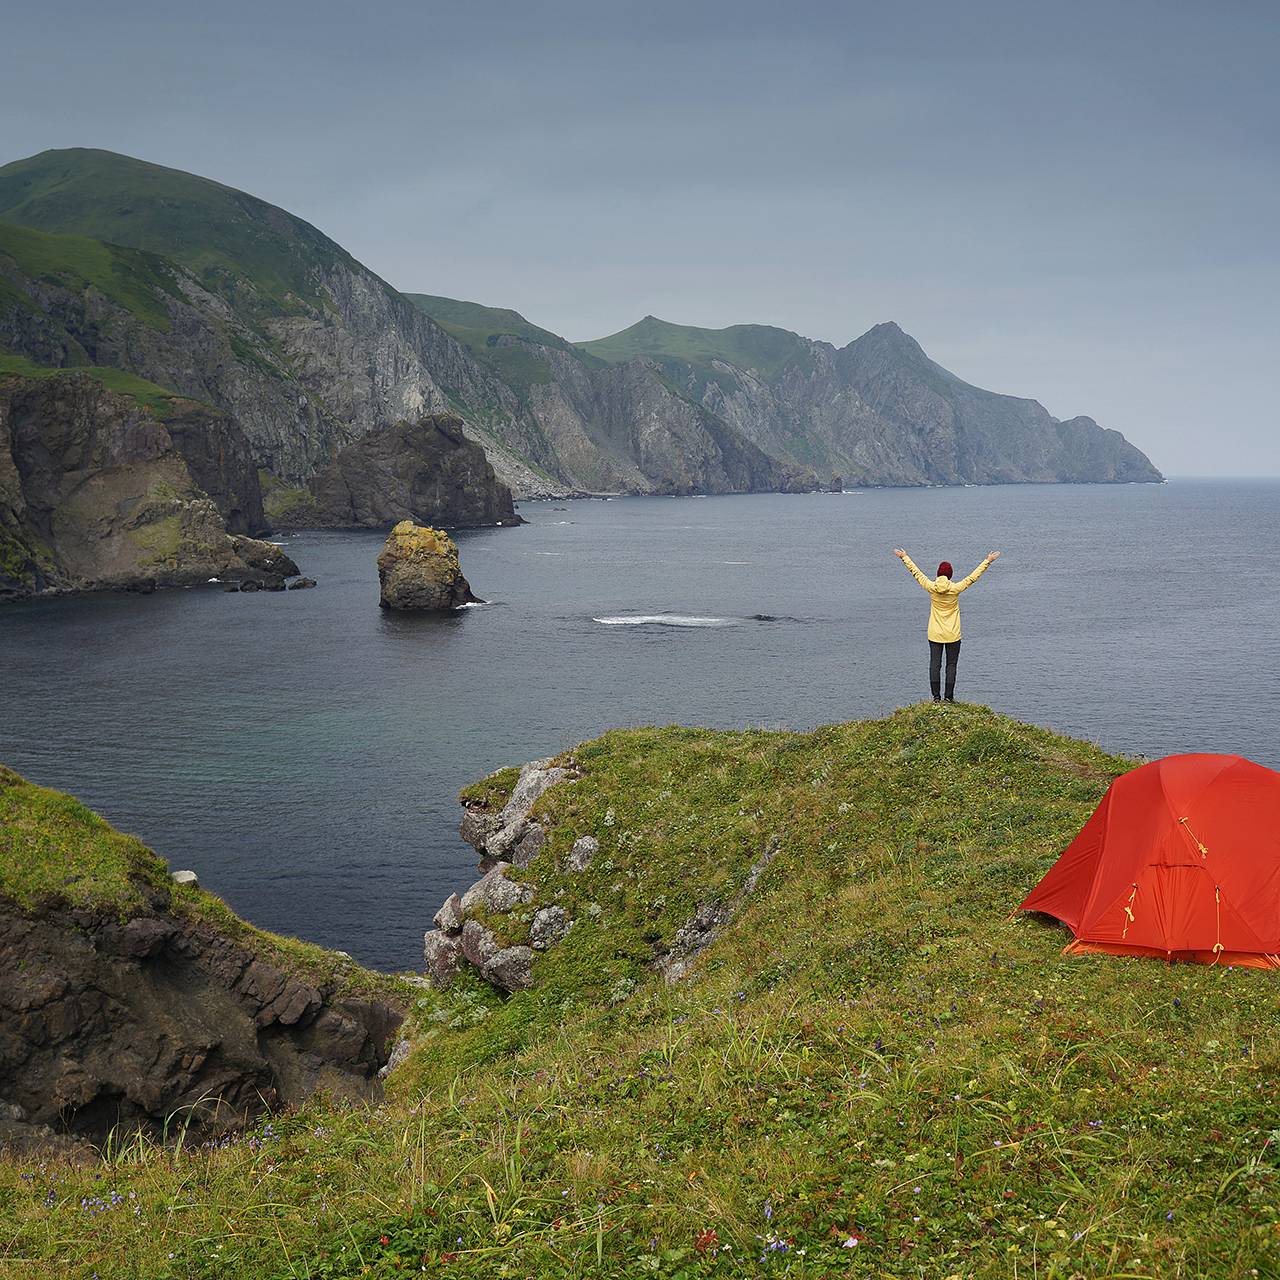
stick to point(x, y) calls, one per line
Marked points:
point(479, 945)
point(584, 850)
point(511, 969)
point(529, 845)
point(449, 917)
point(442, 955)
point(550, 924)
point(494, 891)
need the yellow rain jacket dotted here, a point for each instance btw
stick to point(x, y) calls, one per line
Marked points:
point(944, 600)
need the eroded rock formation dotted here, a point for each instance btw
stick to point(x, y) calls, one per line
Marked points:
point(107, 1022)
point(425, 471)
point(418, 569)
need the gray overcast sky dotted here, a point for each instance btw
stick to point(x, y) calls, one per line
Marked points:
point(1077, 201)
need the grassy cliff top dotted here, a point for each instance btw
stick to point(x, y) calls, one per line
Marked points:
point(474, 323)
point(757, 347)
point(225, 236)
point(55, 854)
point(163, 404)
point(877, 1069)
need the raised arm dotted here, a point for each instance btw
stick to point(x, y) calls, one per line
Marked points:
point(915, 572)
point(992, 556)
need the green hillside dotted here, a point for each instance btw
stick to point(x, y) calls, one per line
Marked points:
point(135, 280)
point(476, 324)
point(755, 347)
point(227, 238)
point(157, 399)
point(876, 1070)
point(482, 329)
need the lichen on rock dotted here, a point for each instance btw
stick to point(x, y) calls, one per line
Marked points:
point(418, 568)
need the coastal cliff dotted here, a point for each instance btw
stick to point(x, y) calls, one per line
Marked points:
point(875, 412)
point(127, 1001)
point(97, 491)
point(224, 299)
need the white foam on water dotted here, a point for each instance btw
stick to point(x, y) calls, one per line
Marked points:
point(664, 620)
point(476, 604)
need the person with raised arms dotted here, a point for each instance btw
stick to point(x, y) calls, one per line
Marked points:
point(944, 618)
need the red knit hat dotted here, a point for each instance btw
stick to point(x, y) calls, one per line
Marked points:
point(944, 569)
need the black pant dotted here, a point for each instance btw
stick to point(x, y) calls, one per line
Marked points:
point(935, 668)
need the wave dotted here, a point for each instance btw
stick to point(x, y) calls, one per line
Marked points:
point(664, 620)
point(690, 620)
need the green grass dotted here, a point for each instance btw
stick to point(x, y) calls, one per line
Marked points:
point(139, 282)
point(252, 253)
point(54, 851)
point(876, 1050)
point(484, 322)
point(163, 404)
point(759, 348)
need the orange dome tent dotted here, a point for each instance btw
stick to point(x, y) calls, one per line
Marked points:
point(1180, 860)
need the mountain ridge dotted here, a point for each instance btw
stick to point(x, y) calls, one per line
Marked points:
point(227, 299)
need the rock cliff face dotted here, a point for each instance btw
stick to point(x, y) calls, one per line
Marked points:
point(425, 471)
point(623, 429)
point(418, 570)
point(106, 1022)
point(95, 493)
point(611, 429)
point(309, 351)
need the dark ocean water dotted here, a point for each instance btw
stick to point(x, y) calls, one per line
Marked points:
point(303, 751)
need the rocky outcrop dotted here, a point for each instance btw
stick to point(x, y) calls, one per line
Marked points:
point(699, 932)
point(425, 471)
point(514, 912)
point(94, 493)
point(132, 1022)
point(418, 569)
point(508, 839)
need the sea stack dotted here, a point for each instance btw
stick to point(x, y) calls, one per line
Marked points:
point(418, 569)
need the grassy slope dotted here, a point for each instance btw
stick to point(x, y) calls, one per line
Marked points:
point(163, 404)
point(135, 280)
point(473, 319)
point(481, 329)
point(223, 235)
point(876, 1052)
point(55, 853)
point(757, 347)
